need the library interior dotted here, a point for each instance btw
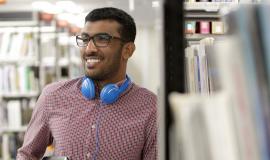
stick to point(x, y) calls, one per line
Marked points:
point(193, 85)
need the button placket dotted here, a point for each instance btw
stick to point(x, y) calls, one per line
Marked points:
point(90, 146)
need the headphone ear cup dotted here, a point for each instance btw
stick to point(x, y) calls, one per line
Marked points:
point(109, 94)
point(88, 88)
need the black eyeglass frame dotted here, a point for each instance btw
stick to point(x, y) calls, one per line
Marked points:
point(110, 37)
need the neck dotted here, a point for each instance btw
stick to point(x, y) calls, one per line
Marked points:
point(100, 84)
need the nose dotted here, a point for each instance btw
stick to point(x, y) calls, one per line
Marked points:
point(91, 46)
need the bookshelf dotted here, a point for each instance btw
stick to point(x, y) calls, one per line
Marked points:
point(204, 25)
point(33, 52)
point(204, 19)
point(233, 122)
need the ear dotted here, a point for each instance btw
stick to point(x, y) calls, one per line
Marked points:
point(128, 50)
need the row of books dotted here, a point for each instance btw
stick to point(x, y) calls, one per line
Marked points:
point(10, 143)
point(204, 27)
point(18, 79)
point(234, 122)
point(17, 45)
point(14, 114)
point(201, 73)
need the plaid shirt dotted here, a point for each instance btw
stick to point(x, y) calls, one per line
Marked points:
point(86, 130)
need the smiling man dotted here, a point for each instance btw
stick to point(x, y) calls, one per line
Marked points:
point(102, 115)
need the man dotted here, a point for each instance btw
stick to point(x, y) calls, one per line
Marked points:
point(102, 115)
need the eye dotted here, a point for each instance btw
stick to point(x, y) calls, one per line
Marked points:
point(85, 39)
point(102, 37)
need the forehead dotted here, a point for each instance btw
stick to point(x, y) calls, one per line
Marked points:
point(102, 26)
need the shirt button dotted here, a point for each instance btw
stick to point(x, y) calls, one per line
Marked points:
point(93, 126)
point(88, 155)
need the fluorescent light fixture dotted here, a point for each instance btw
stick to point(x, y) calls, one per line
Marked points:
point(45, 7)
point(77, 20)
point(155, 4)
point(80, 20)
point(131, 5)
point(69, 6)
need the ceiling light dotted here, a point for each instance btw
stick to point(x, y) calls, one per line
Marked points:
point(69, 6)
point(155, 4)
point(131, 5)
point(45, 7)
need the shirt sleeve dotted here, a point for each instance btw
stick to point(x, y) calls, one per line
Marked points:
point(150, 147)
point(38, 135)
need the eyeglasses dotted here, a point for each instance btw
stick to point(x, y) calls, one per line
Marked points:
point(100, 39)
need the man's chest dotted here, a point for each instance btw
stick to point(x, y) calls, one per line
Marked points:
point(107, 133)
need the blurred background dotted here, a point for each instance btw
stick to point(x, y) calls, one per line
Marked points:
point(207, 60)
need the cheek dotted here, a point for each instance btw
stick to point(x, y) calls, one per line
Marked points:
point(82, 52)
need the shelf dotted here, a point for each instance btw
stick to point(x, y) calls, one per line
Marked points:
point(50, 61)
point(19, 24)
point(12, 129)
point(76, 60)
point(197, 37)
point(48, 29)
point(207, 10)
point(20, 60)
point(19, 95)
point(203, 15)
point(208, 6)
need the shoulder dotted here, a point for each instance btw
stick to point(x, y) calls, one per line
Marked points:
point(143, 93)
point(143, 97)
point(62, 86)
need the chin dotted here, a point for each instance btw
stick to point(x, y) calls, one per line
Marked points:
point(93, 76)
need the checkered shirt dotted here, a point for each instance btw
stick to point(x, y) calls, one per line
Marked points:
point(84, 129)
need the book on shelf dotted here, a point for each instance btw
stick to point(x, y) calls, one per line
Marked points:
point(217, 27)
point(243, 21)
point(10, 144)
point(196, 69)
point(233, 80)
point(205, 27)
point(264, 22)
point(3, 114)
point(17, 45)
point(18, 79)
point(14, 114)
point(204, 126)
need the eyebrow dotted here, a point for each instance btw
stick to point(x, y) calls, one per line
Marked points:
point(85, 34)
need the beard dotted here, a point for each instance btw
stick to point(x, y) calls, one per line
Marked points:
point(108, 69)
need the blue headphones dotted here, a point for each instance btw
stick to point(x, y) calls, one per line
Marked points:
point(109, 93)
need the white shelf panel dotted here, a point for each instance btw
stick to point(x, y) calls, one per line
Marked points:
point(12, 129)
point(63, 62)
point(18, 23)
point(19, 95)
point(48, 61)
point(197, 37)
point(18, 60)
point(208, 6)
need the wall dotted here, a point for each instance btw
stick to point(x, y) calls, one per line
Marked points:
point(144, 65)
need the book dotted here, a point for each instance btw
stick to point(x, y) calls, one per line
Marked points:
point(204, 27)
point(14, 114)
point(190, 27)
point(217, 27)
point(204, 126)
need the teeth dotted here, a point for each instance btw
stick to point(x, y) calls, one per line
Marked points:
point(92, 60)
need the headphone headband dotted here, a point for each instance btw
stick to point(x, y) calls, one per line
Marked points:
point(109, 93)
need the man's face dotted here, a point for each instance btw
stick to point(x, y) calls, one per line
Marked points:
point(102, 63)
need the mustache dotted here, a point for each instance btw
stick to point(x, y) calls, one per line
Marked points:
point(92, 54)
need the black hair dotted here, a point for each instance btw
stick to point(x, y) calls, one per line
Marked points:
point(128, 27)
